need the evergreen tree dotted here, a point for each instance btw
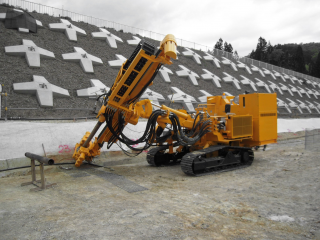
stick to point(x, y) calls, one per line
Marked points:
point(261, 50)
point(219, 44)
point(316, 67)
point(228, 47)
point(299, 64)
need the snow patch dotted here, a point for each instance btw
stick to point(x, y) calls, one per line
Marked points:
point(283, 218)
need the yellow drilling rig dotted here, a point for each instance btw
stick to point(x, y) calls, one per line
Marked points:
point(219, 137)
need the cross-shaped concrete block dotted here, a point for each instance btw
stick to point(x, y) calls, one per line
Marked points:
point(117, 63)
point(287, 77)
point(68, 28)
point(228, 62)
point(247, 81)
point(256, 69)
point(86, 60)
point(303, 91)
point(293, 78)
point(302, 105)
point(185, 72)
point(183, 98)
point(261, 83)
point(44, 90)
point(205, 96)
point(210, 76)
point(296, 79)
point(211, 58)
point(153, 96)
point(278, 75)
point(274, 87)
point(134, 42)
point(294, 105)
point(317, 84)
point(195, 56)
point(244, 66)
point(268, 72)
point(312, 106)
point(4, 16)
point(282, 104)
point(31, 51)
point(295, 90)
point(229, 79)
point(317, 104)
point(164, 74)
point(285, 88)
point(97, 88)
point(310, 82)
point(104, 34)
point(310, 92)
point(316, 92)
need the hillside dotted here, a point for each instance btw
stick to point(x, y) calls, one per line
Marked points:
point(70, 76)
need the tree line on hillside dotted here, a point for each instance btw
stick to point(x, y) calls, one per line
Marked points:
point(227, 47)
point(303, 58)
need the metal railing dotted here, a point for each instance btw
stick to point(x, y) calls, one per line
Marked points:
point(58, 12)
point(312, 140)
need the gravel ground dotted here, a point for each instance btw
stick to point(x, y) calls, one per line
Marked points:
point(71, 77)
point(276, 198)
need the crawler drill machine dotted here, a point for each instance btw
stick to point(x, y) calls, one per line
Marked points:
point(218, 137)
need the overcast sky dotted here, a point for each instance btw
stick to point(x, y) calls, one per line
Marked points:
point(239, 22)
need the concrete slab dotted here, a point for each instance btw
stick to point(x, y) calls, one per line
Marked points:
point(241, 65)
point(181, 97)
point(285, 88)
point(110, 38)
point(268, 72)
point(195, 56)
point(210, 76)
point(274, 87)
point(153, 96)
point(247, 81)
point(86, 60)
point(215, 61)
point(229, 79)
point(228, 62)
point(117, 63)
point(97, 88)
point(68, 28)
point(262, 84)
point(134, 42)
point(185, 72)
point(295, 90)
point(31, 51)
point(294, 105)
point(256, 69)
point(44, 90)
point(205, 96)
point(164, 74)
point(282, 104)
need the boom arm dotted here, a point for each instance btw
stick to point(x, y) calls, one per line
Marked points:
point(119, 106)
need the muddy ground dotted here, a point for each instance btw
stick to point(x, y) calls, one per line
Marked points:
point(276, 198)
